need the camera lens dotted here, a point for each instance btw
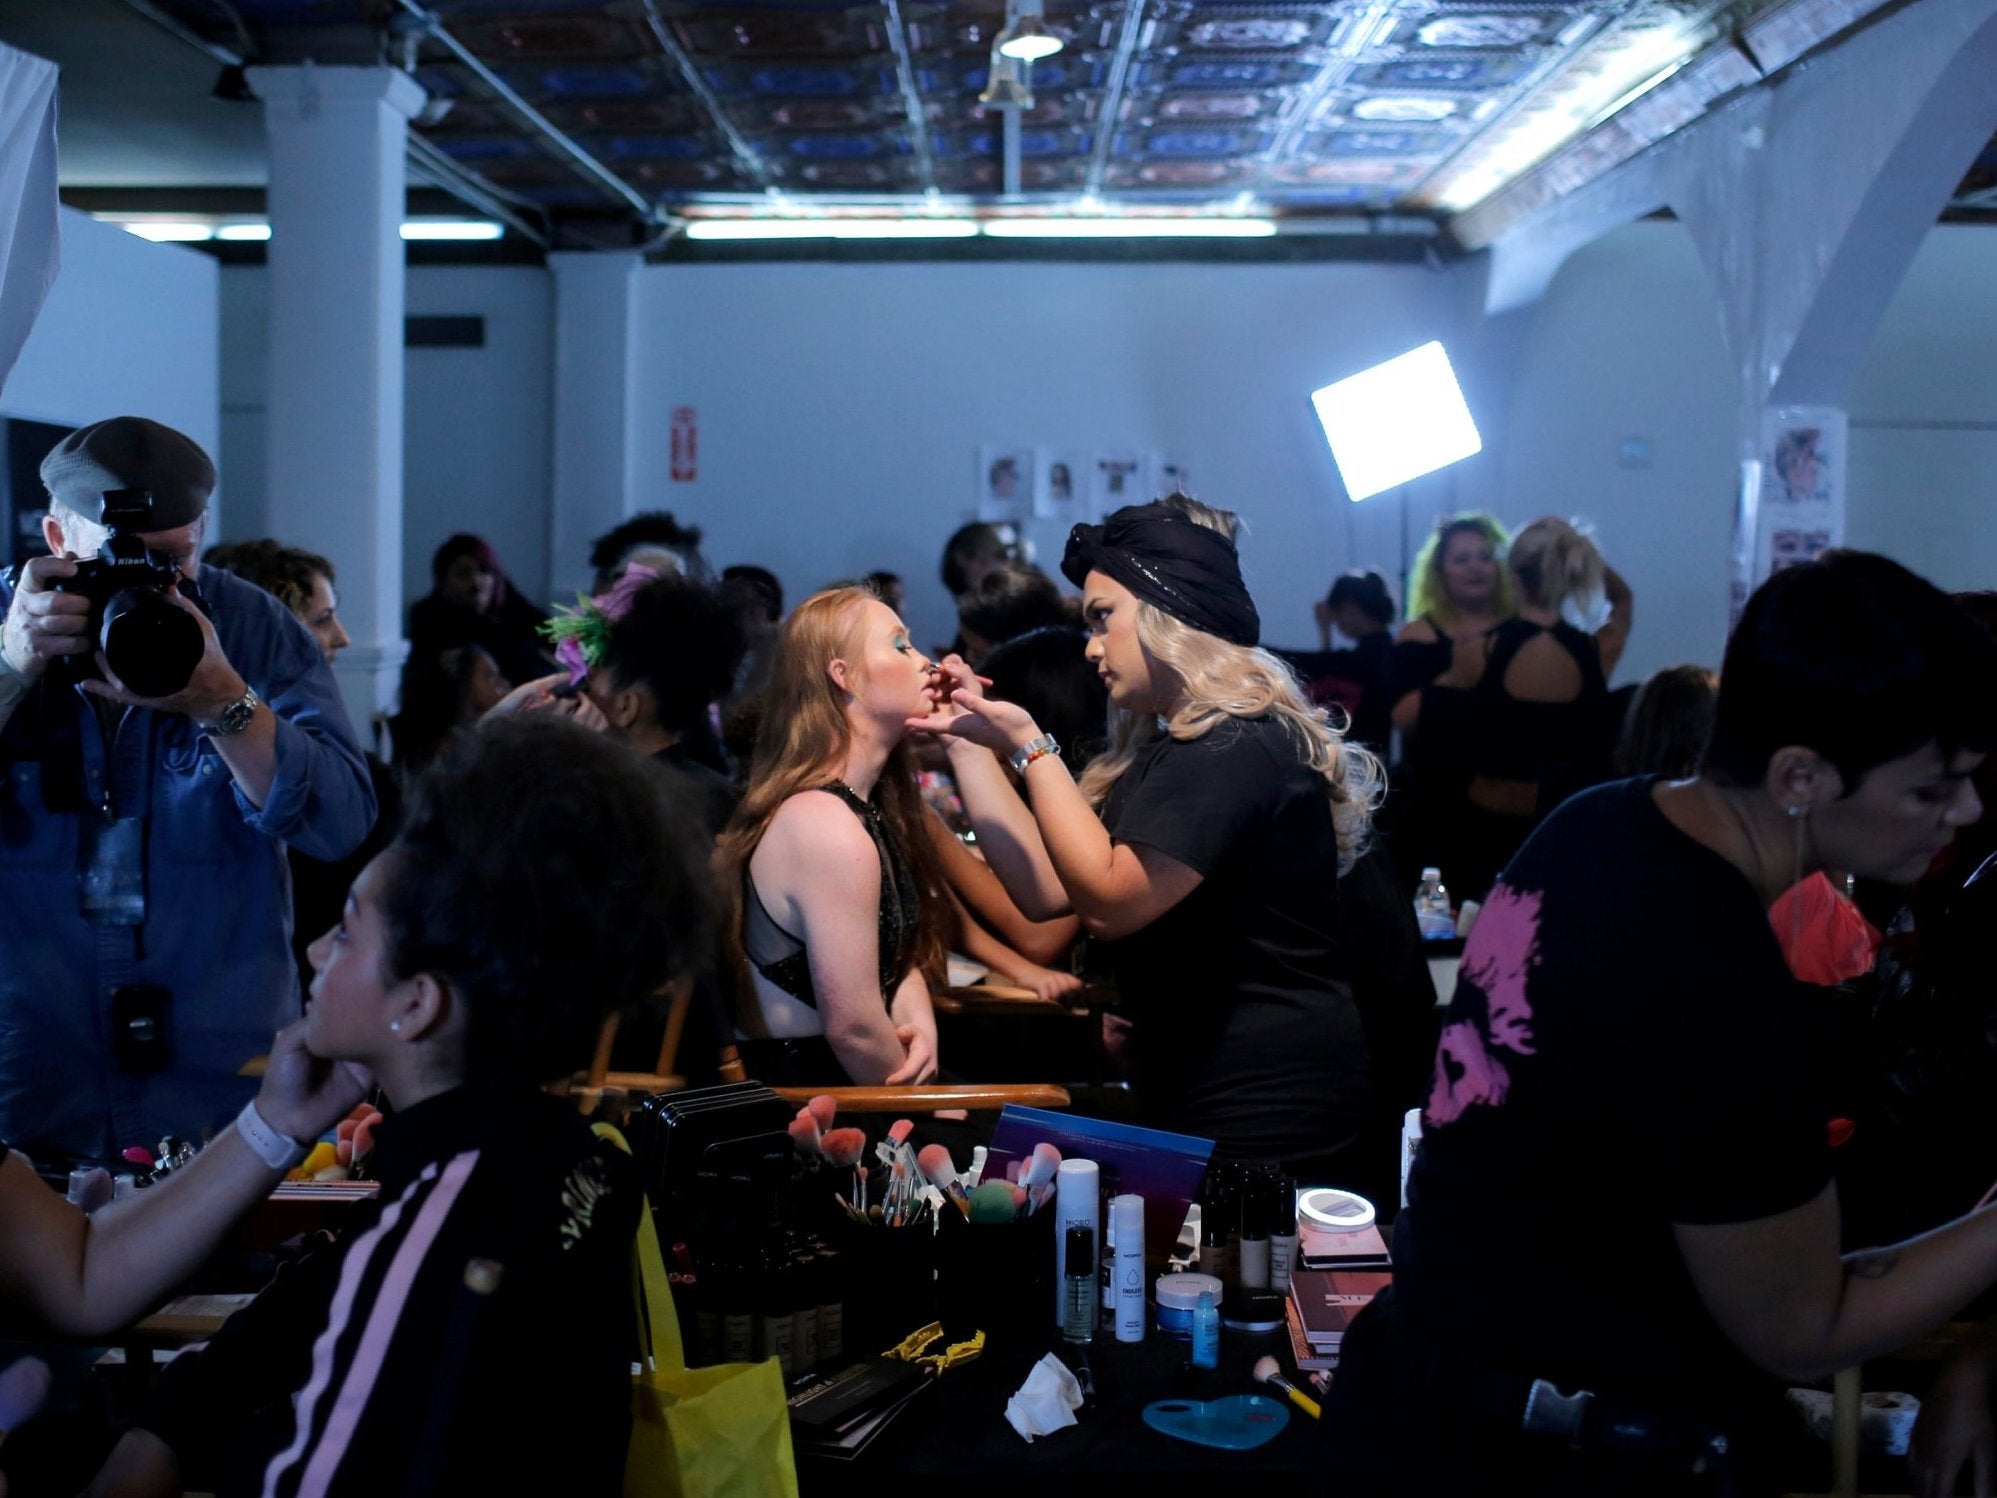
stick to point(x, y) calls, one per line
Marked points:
point(152, 644)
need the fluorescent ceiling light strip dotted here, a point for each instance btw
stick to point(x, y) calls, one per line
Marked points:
point(160, 232)
point(243, 232)
point(444, 228)
point(1130, 228)
point(830, 228)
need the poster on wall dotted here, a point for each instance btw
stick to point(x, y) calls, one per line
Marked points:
point(1119, 480)
point(1171, 477)
point(1062, 490)
point(1005, 483)
point(1801, 508)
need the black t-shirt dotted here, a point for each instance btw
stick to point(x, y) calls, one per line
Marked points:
point(1626, 1049)
point(1247, 1031)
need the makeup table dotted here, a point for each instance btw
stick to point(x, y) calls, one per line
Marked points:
point(954, 1437)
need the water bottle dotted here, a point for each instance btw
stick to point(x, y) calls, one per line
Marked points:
point(1432, 912)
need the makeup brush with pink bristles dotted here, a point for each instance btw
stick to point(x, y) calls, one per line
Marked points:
point(942, 1173)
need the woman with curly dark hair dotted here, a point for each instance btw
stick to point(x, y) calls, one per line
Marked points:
point(545, 876)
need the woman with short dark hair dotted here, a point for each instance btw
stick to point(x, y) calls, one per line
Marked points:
point(1628, 1063)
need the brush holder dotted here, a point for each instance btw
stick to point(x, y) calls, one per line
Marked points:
point(997, 1278)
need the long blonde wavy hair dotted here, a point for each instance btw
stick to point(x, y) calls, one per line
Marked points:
point(1217, 681)
point(802, 742)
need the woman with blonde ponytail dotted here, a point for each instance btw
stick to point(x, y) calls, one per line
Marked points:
point(1205, 846)
point(1540, 696)
point(835, 906)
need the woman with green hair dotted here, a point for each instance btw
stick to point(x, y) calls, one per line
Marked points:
point(1458, 590)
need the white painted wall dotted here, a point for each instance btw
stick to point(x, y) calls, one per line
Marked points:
point(1923, 463)
point(129, 329)
point(841, 406)
point(476, 420)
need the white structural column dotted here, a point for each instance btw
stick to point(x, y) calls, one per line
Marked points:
point(596, 339)
point(337, 183)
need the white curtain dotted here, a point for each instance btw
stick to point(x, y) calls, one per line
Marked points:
point(30, 239)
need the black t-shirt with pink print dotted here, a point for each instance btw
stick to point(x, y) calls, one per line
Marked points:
point(1625, 1050)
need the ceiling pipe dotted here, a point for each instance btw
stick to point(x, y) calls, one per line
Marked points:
point(432, 29)
point(911, 96)
point(1119, 76)
point(746, 156)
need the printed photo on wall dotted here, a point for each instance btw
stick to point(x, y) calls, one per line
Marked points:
point(1062, 490)
point(1005, 483)
point(1173, 477)
point(1119, 481)
point(1801, 510)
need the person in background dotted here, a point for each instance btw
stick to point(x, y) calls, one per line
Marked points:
point(471, 602)
point(665, 660)
point(473, 1330)
point(1627, 1051)
point(1009, 600)
point(1539, 695)
point(442, 695)
point(834, 900)
point(1355, 679)
point(1207, 845)
point(1458, 589)
point(1669, 722)
point(971, 552)
point(888, 587)
point(303, 582)
point(654, 538)
point(144, 905)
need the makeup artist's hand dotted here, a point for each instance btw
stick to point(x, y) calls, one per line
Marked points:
point(550, 694)
point(964, 712)
point(1955, 1429)
point(918, 1059)
point(302, 1096)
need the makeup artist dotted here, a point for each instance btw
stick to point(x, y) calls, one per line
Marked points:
point(1622, 1232)
point(1206, 845)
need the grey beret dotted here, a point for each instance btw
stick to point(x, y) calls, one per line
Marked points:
point(130, 452)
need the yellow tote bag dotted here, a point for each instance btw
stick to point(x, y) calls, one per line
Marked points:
point(720, 1432)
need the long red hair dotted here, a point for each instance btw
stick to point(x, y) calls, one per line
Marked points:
point(800, 745)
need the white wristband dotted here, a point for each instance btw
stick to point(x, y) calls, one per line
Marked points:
point(276, 1150)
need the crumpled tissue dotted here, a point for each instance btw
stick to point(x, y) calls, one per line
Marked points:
point(1046, 1402)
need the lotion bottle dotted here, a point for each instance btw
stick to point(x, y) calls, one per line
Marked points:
point(1126, 1216)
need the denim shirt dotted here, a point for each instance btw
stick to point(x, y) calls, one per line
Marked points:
point(217, 926)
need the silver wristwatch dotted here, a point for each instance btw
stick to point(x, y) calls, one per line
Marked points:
point(235, 717)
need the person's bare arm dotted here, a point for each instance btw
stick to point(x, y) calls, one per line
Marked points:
point(978, 944)
point(1780, 1291)
point(85, 1276)
point(971, 880)
point(1114, 887)
point(915, 1030)
point(1614, 634)
point(818, 871)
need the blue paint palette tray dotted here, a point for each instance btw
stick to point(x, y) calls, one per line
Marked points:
point(1241, 1422)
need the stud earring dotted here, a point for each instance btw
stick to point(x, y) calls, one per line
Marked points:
point(1799, 810)
point(395, 1027)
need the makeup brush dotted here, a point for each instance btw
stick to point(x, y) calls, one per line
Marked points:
point(804, 1132)
point(992, 1203)
point(1269, 1371)
point(942, 1172)
point(824, 1108)
point(1038, 1175)
point(976, 1173)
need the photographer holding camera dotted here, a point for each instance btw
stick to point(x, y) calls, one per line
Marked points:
point(165, 730)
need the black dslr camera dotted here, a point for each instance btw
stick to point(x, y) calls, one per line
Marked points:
point(152, 643)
